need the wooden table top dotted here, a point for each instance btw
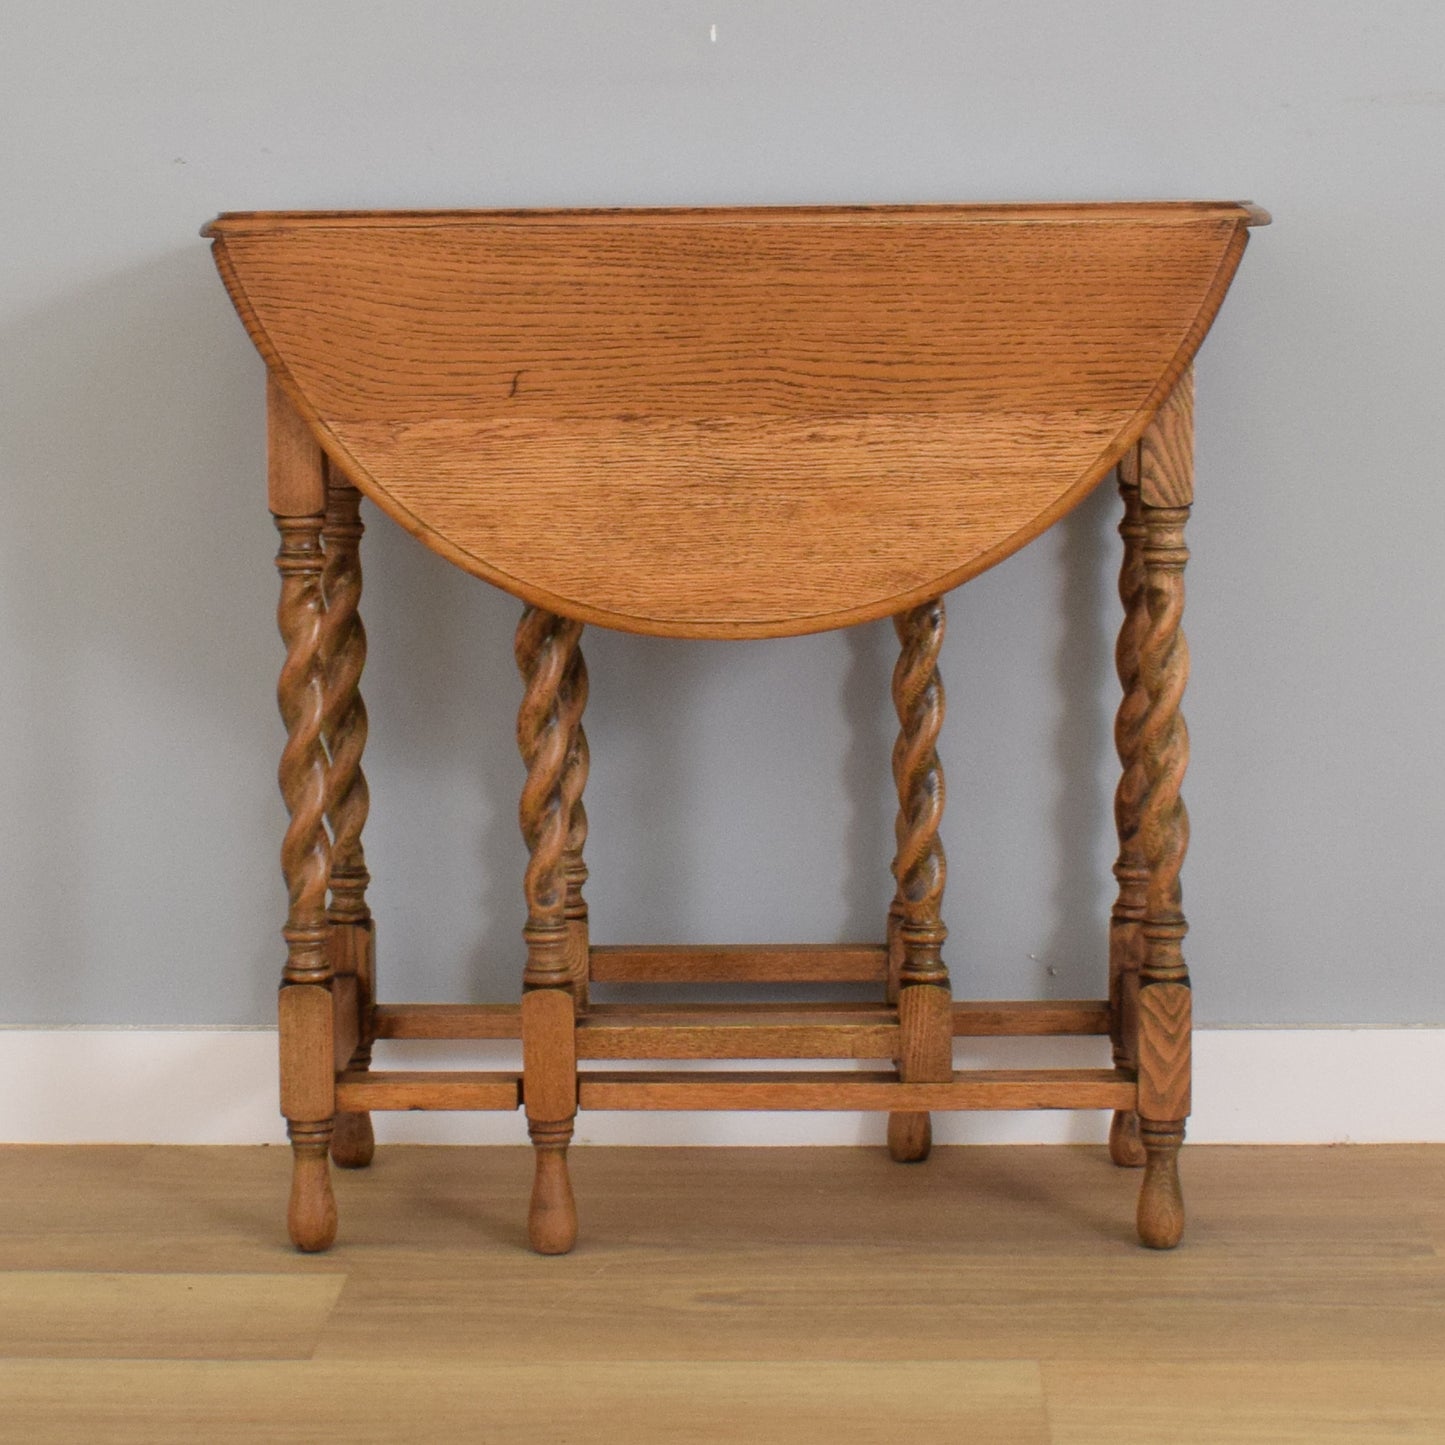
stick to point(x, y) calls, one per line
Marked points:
point(730, 422)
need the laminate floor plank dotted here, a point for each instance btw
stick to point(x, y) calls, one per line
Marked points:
point(56, 1314)
point(1247, 1402)
point(871, 1304)
point(148, 1208)
point(813, 1403)
point(734, 1291)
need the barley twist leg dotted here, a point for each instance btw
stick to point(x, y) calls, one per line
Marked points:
point(307, 1079)
point(352, 931)
point(574, 781)
point(547, 725)
point(1164, 990)
point(1131, 871)
point(916, 931)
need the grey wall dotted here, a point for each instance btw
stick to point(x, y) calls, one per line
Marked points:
point(740, 791)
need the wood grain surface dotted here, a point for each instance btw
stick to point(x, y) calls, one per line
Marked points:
point(860, 1089)
point(449, 1021)
point(295, 465)
point(738, 963)
point(124, 1314)
point(308, 1052)
point(861, 1031)
point(988, 1017)
point(730, 422)
point(428, 1089)
point(1030, 1016)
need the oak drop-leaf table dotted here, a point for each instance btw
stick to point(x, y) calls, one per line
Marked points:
point(730, 423)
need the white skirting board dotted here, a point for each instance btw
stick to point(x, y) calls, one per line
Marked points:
point(218, 1086)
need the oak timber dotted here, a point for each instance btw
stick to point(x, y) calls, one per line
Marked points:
point(1031, 1016)
point(449, 1021)
point(968, 1089)
point(427, 1089)
point(985, 1018)
point(739, 963)
point(723, 423)
point(695, 406)
point(723, 1031)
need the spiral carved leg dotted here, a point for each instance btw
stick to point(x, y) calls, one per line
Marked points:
point(925, 1015)
point(1125, 937)
point(344, 729)
point(305, 1007)
point(548, 736)
point(1164, 992)
point(574, 782)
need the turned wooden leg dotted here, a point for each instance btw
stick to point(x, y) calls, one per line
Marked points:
point(916, 931)
point(547, 726)
point(307, 1066)
point(572, 703)
point(343, 730)
point(574, 782)
point(1126, 938)
point(1166, 492)
point(910, 1134)
point(895, 949)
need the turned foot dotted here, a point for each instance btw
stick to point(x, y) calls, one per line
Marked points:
point(353, 1143)
point(1161, 1202)
point(552, 1217)
point(1126, 1149)
point(311, 1216)
point(910, 1137)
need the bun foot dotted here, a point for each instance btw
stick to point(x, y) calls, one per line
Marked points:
point(1126, 1149)
point(910, 1137)
point(353, 1144)
point(552, 1217)
point(311, 1215)
point(1161, 1202)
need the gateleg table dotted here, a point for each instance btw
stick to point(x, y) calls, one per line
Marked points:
point(724, 423)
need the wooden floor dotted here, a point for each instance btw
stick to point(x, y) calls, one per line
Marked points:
point(815, 1295)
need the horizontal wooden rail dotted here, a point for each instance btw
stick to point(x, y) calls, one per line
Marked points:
point(738, 1031)
point(801, 1030)
point(743, 963)
point(976, 1089)
point(448, 1021)
point(1033, 1016)
point(427, 1089)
